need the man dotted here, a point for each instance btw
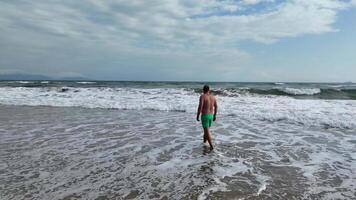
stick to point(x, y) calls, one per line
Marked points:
point(207, 106)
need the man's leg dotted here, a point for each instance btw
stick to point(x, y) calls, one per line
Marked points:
point(203, 121)
point(204, 137)
point(208, 137)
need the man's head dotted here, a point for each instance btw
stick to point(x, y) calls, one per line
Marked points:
point(206, 89)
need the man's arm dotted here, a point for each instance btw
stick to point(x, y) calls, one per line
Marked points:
point(199, 107)
point(215, 108)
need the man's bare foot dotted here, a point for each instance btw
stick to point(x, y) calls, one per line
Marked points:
point(211, 148)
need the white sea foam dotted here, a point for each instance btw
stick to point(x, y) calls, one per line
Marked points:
point(86, 82)
point(23, 82)
point(301, 91)
point(221, 186)
point(261, 189)
point(143, 155)
point(327, 113)
point(343, 85)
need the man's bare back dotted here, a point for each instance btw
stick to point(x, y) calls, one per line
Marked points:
point(208, 103)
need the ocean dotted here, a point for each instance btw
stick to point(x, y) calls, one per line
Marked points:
point(140, 140)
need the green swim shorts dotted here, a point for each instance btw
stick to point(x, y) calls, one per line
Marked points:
point(207, 120)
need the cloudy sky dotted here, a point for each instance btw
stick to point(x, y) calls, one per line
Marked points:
point(207, 40)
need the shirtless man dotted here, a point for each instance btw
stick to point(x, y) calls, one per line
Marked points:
point(207, 106)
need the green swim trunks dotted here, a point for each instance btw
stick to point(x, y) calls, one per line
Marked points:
point(207, 120)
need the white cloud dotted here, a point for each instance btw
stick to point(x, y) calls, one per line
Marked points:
point(203, 32)
point(134, 21)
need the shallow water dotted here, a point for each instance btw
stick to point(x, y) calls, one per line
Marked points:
point(80, 153)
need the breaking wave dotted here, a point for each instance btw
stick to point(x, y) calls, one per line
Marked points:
point(306, 112)
point(314, 93)
point(302, 91)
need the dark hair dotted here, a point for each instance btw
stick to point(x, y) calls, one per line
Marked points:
point(206, 88)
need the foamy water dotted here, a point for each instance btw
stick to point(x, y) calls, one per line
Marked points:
point(80, 153)
point(308, 112)
point(123, 140)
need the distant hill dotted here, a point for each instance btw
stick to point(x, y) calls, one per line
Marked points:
point(24, 77)
point(30, 77)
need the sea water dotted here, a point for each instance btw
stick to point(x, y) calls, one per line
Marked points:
point(140, 140)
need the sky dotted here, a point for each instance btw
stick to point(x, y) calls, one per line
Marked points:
point(181, 40)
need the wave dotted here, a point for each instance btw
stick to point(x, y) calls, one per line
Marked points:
point(86, 82)
point(301, 91)
point(314, 93)
point(23, 82)
point(295, 90)
point(274, 109)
